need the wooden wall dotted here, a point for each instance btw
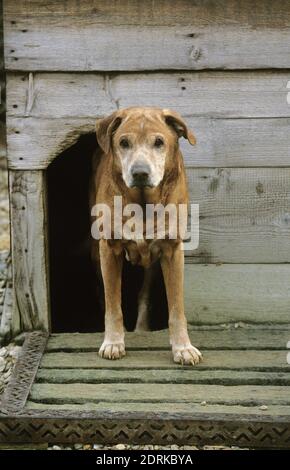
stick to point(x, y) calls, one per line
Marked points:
point(224, 65)
point(2, 97)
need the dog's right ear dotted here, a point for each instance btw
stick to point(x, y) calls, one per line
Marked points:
point(105, 128)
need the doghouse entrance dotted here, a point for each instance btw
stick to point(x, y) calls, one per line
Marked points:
point(77, 301)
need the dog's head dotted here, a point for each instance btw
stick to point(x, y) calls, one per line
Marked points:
point(143, 142)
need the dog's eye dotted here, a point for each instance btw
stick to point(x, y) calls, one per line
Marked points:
point(158, 142)
point(124, 143)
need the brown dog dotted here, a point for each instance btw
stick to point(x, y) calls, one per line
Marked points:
point(141, 161)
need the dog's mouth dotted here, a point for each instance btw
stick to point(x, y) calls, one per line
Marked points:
point(140, 185)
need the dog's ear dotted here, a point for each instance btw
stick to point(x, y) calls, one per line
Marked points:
point(175, 121)
point(105, 128)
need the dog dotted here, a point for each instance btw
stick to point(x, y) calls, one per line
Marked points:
point(139, 159)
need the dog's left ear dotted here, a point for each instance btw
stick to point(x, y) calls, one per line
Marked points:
point(175, 121)
point(105, 128)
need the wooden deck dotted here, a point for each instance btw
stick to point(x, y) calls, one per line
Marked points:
point(238, 395)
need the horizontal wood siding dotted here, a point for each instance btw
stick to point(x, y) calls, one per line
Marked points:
point(133, 35)
point(239, 118)
point(244, 214)
point(224, 65)
point(238, 293)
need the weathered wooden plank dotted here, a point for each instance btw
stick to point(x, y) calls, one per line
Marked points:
point(262, 13)
point(247, 395)
point(30, 268)
point(198, 36)
point(244, 214)
point(238, 338)
point(245, 360)
point(210, 102)
point(195, 376)
point(34, 143)
point(229, 293)
point(239, 150)
point(220, 94)
point(196, 408)
point(41, 140)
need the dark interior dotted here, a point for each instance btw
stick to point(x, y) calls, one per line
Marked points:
point(77, 298)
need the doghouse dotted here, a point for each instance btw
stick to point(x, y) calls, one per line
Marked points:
point(224, 66)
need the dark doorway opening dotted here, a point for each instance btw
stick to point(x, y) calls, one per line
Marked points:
point(77, 298)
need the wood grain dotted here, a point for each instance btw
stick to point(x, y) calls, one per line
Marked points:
point(254, 13)
point(210, 338)
point(239, 119)
point(196, 408)
point(29, 252)
point(245, 360)
point(129, 36)
point(233, 293)
point(214, 377)
point(247, 395)
point(34, 143)
point(219, 94)
point(244, 214)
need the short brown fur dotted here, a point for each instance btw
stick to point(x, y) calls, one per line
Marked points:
point(141, 125)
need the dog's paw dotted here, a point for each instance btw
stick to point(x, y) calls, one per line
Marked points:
point(186, 355)
point(112, 350)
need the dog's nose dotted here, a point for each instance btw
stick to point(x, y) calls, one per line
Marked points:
point(140, 173)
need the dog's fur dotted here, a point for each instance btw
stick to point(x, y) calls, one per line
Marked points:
point(129, 141)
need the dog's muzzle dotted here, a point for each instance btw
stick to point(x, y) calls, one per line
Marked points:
point(140, 173)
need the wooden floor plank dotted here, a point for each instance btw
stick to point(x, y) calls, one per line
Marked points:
point(209, 339)
point(191, 376)
point(272, 410)
point(247, 360)
point(247, 395)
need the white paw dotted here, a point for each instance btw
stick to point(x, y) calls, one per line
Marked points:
point(112, 350)
point(186, 355)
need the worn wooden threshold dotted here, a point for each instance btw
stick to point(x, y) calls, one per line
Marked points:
point(61, 391)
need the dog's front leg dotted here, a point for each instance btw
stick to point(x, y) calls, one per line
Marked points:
point(172, 263)
point(113, 346)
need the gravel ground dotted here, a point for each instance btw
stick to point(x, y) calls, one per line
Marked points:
point(9, 353)
point(8, 357)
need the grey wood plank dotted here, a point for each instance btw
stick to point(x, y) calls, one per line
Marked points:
point(34, 143)
point(247, 293)
point(228, 36)
point(29, 252)
point(247, 395)
point(238, 338)
point(196, 408)
point(195, 376)
point(263, 13)
point(244, 214)
point(211, 102)
point(41, 140)
point(219, 94)
point(244, 360)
